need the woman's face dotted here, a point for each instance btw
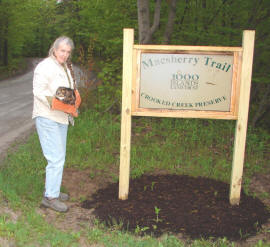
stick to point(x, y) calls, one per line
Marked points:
point(62, 53)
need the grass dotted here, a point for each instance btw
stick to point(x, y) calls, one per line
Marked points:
point(181, 146)
point(32, 230)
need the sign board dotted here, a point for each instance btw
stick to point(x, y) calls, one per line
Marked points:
point(187, 82)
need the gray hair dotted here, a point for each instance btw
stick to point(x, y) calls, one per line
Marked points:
point(63, 39)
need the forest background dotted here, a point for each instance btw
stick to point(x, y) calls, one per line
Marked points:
point(28, 27)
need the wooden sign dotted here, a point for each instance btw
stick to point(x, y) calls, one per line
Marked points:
point(178, 81)
point(188, 82)
point(183, 81)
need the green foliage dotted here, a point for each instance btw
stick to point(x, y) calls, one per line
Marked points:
point(28, 27)
point(27, 168)
point(109, 93)
point(88, 147)
point(24, 30)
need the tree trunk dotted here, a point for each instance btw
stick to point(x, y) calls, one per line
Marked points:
point(145, 32)
point(170, 23)
point(183, 16)
point(1, 56)
point(5, 44)
point(204, 4)
point(5, 53)
point(156, 17)
point(144, 21)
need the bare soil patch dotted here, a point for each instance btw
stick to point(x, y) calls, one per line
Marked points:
point(188, 207)
point(196, 207)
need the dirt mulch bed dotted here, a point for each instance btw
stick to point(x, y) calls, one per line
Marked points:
point(178, 204)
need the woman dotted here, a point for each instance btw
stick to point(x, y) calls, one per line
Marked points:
point(52, 125)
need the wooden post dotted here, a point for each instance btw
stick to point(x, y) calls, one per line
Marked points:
point(241, 123)
point(126, 114)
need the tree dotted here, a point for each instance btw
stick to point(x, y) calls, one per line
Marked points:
point(18, 23)
point(170, 23)
point(27, 28)
point(146, 31)
point(259, 18)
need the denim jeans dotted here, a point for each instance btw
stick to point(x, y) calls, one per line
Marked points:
point(52, 137)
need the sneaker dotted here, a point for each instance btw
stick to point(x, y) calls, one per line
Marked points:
point(63, 197)
point(54, 204)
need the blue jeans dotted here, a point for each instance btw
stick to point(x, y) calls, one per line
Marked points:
point(52, 137)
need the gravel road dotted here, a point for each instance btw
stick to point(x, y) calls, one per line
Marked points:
point(16, 104)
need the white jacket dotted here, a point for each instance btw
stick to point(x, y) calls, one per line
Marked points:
point(48, 76)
